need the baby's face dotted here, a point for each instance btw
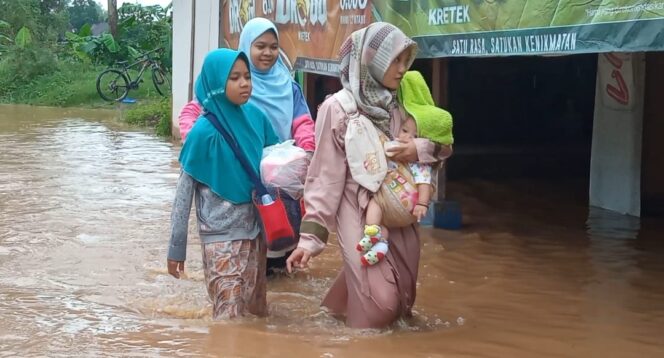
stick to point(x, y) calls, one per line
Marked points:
point(408, 129)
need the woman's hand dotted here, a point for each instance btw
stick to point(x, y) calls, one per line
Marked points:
point(175, 268)
point(298, 259)
point(405, 152)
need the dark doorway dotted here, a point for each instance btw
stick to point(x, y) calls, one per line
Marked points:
point(517, 117)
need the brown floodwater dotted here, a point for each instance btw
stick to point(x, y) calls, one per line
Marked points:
point(84, 223)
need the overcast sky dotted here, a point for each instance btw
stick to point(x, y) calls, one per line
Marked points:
point(163, 3)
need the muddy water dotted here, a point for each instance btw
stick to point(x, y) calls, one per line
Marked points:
point(84, 223)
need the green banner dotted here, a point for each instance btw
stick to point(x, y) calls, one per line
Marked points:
point(445, 28)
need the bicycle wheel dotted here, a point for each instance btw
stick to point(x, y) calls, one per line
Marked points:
point(161, 81)
point(112, 85)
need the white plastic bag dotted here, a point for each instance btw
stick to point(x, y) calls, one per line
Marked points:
point(284, 166)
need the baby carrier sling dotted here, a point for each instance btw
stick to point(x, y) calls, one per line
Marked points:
point(392, 184)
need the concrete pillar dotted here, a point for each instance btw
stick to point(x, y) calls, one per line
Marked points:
point(439, 83)
point(206, 27)
point(195, 32)
point(183, 37)
point(439, 89)
point(615, 164)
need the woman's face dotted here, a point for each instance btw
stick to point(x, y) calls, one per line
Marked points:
point(265, 51)
point(238, 86)
point(395, 72)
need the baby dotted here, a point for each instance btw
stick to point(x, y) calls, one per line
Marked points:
point(425, 120)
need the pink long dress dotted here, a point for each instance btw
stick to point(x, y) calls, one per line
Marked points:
point(369, 297)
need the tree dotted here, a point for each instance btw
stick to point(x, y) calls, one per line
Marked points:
point(145, 27)
point(139, 29)
point(46, 18)
point(52, 6)
point(54, 19)
point(83, 12)
point(113, 17)
point(18, 14)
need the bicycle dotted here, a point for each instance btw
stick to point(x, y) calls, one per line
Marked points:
point(117, 81)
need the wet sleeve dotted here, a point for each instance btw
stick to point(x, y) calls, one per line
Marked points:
point(326, 179)
point(188, 116)
point(303, 133)
point(303, 125)
point(429, 152)
point(184, 194)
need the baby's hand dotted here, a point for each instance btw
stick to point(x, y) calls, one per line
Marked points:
point(420, 211)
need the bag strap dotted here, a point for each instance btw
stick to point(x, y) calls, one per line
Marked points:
point(348, 104)
point(345, 98)
point(260, 188)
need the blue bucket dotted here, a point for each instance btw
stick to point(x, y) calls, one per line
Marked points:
point(447, 215)
point(427, 220)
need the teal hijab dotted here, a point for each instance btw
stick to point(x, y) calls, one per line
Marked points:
point(205, 155)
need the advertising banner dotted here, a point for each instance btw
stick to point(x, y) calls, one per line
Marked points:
point(475, 28)
point(312, 30)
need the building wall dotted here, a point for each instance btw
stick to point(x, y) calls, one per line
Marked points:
point(195, 33)
point(653, 133)
point(183, 11)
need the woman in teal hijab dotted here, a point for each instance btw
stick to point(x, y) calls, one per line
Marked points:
point(279, 97)
point(205, 155)
point(233, 255)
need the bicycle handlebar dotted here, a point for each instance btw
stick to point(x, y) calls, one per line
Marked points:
point(139, 59)
point(159, 49)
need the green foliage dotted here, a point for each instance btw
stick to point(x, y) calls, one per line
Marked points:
point(42, 62)
point(5, 40)
point(145, 27)
point(70, 84)
point(23, 38)
point(140, 29)
point(82, 12)
point(23, 64)
point(164, 128)
point(56, 25)
point(18, 14)
point(86, 30)
point(47, 19)
point(101, 49)
point(156, 113)
point(5, 27)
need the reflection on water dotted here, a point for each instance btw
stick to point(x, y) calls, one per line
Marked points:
point(605, 224)
point(85, 205)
